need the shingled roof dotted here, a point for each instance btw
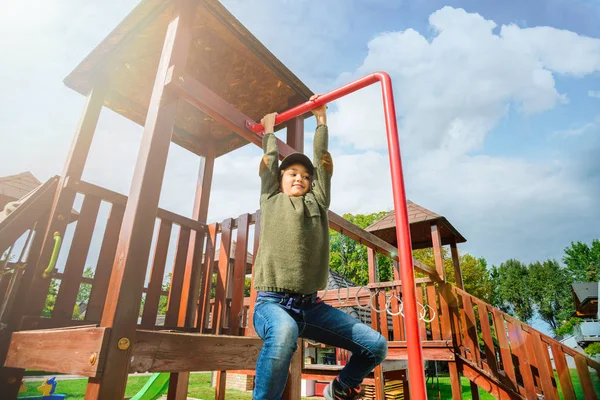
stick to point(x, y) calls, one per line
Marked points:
point(420, 220)
point(17, 186)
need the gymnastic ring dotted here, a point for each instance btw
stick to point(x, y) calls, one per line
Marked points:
point(347, 294)
point(388, 302)
point(375, 309)
point(358, 301)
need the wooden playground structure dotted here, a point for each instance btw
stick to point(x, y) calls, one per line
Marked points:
point(191, 74)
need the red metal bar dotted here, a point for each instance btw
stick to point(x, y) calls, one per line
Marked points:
point(415, 352)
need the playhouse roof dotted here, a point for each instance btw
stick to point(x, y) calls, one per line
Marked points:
point(585, 291)
point(419, 219)
point(17, 186)
point(224, 56)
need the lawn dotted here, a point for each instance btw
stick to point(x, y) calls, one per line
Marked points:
point(200, 388)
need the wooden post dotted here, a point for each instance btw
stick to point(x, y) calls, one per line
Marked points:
point(65, 196)
point(193, 266)
point(456, 262)
point(295, 127)
point(127, 279)
point(436, 240)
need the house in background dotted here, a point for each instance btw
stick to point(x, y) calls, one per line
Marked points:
point(585, 295)
point(14, 187)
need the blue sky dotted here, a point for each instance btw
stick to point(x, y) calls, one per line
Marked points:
point(498, 106)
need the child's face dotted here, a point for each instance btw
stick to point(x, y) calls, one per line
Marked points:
point(295, 180)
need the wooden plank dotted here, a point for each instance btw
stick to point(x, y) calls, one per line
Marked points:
point(194, 263)
point(563, 371)
point(517, 345)
point(239, 274)
point(177, 277)
point(127, 280)
point(105, 262)
point(218, 315)
point(69, 351)
point(35, 209)
point(179, 352)
point(495, 388)
point(445, 315)
point(422, 328)
point(209, 261)
point(250, 330)
point(505, 353)
point(429, 353)
point(69, 286)
point(456, 263)
point(295, 126)
point(110, 196)
point(488, 342)
point(540, 352)
point(383, 316)
point(64, 198)
point(584, 378)
point(397, 324)
point(156, 274)
point(222, 273)
point(455, 380)
point(32, 323)
point(432, 302)
point(436, 240)
point(470, 329)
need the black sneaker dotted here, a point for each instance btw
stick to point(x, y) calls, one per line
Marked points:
point(334, 391)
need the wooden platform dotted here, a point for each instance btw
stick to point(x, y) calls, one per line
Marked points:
point(224, 56)
point(81, 350)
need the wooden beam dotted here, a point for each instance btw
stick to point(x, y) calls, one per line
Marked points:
point(178, 352)
point(77, 351)
point(295, 127)
point(488, 384)
point(456, 263)
point(127, 279)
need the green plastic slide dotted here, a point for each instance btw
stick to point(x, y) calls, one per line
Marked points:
point(154, 388)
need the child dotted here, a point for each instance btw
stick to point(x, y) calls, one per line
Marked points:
point(292, 263)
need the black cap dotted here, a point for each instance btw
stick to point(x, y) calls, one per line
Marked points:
point(297, 158)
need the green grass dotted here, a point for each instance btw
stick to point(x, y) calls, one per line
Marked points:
point(200, 388)
point(445, 389)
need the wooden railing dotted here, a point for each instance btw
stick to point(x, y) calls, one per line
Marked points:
point(513, 358)
point(515, 355)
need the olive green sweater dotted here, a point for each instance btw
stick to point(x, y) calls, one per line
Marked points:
point(293, 253)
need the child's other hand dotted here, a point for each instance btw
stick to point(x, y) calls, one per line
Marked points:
point(268, 122)
point(320, 112)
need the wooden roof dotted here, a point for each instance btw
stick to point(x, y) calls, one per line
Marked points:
point(420, 220)
point(224, 56)
point(17, 186)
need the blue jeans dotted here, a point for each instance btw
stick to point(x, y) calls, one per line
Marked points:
point(280, 328)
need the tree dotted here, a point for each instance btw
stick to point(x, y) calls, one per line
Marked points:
point(349, 258)
point(514, 293)
point(551, 291)
point(476, 278)
point(83, 296)
point(583, 261)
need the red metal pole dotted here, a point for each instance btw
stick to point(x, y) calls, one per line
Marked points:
point(413, 341)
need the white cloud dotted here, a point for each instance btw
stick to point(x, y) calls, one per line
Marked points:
point(453, 89)
point(594, 93)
